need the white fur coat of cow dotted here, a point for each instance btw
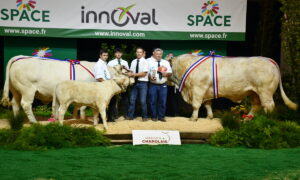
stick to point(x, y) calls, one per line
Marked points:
point(238, 77)
point(93, 94)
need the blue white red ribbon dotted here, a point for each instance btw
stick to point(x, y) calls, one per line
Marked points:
point(214, 72)
point(190, 69)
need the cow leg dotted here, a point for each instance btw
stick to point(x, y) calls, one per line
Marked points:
point(267, 102)
point(61, 113)
point(96, 116)
point(26, 103)
point(102, 110)
point(255, 104)
point(55, 108)
point(207, 105)
point(196, 106)
point(82, 112)
point(197, 100)
point(16, 103)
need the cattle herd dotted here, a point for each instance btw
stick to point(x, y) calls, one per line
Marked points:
point(28, 78)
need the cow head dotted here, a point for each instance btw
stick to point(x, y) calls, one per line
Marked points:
point(172, 79)
point(121, 78)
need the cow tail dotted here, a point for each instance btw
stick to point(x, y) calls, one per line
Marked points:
point(286, 100)
point(5, 96)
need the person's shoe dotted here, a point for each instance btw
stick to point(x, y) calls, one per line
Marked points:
point(128, 118)
point(154, 119)
point(144, 119)
point(162, 119)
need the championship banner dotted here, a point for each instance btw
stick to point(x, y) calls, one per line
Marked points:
point(125, 19)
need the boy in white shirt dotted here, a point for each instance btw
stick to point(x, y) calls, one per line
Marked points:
point(113, 109)
point(118, 59)
point(100, 69)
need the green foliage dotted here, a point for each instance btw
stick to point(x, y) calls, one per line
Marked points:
point(16, 122)
point(4, 112)
point(43, 110)
point(261, 132)
point(128, 51)
point(51, 136)
point(8, 137)
point(46, 111)
point(226, 138)
point(229, 119)
point(290, 36)
point(89, 112)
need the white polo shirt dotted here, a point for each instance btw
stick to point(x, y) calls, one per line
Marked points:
point(143, 67)
point(101, 71)
point(151, 59)
point(115, 62)
point(153, 67)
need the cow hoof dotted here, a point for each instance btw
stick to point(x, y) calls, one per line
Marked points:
point(209, 117)
point(193, 119)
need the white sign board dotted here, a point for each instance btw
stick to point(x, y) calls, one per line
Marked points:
point(155, 137)
point(125, 19)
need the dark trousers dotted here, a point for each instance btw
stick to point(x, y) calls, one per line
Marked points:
point(158, 99)
point(138, 89)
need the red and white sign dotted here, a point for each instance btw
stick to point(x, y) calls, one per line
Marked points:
point(155, 137)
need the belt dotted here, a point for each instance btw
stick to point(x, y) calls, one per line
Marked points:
point(157, 84)
point(141, 81)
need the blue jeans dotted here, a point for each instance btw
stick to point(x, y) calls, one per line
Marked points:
point(158, 100)
point(140, 88)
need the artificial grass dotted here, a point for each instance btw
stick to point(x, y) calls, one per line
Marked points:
point(151, 162)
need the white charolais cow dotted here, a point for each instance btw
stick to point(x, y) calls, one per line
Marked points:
point(237, 77)
point(93, 94)
point(33, 77)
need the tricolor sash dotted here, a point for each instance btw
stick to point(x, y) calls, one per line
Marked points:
point(214, 72)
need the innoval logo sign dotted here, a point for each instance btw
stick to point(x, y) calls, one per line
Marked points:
point(25, 12)
point(119, 16)
point(209, 16)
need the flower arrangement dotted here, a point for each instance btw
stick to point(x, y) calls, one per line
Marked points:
point(241, 111)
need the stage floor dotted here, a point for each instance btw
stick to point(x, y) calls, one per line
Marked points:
point(122, 126)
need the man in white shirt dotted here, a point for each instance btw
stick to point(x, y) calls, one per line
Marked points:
point(100, 69)
point(102, 74)
point(159, 71)
point(139, 70)
point(123, 100)
point(118, 59)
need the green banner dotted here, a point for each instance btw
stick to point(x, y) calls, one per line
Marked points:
point(120, 34)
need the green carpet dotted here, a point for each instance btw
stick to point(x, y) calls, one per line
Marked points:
point(151, 162)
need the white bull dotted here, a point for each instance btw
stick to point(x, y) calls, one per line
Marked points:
point(33, 77)
point(238, 77)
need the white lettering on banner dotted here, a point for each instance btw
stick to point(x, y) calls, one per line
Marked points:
point(148, 19)
point(155, 137)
